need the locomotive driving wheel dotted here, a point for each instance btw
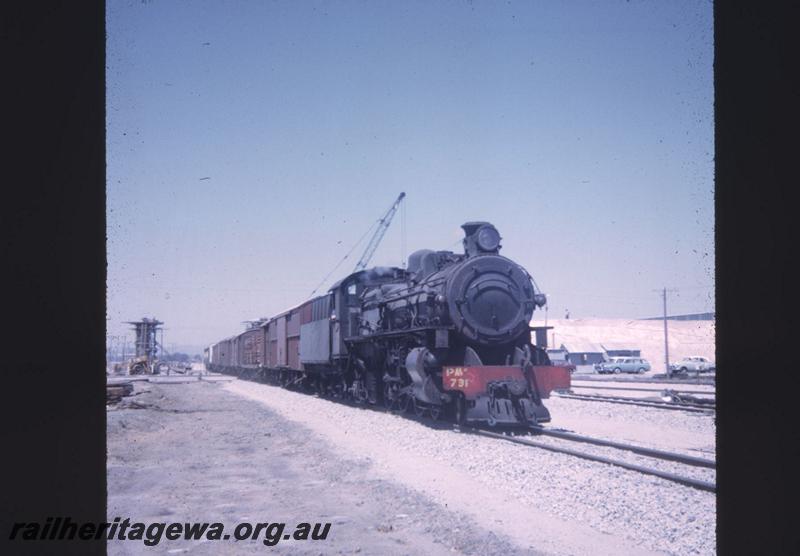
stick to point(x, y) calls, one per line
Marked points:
point(459, 410)
point(360, 394)
point(419, 408)
point(403, 402)
point(391, 395)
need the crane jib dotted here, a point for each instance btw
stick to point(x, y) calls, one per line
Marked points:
point(383, 225)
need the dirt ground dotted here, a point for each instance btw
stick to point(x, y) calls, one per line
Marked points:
point(194, 452)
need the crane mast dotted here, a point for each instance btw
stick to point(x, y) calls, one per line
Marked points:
point(383, 225)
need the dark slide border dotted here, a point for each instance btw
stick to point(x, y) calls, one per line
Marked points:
point(53, 247)
point(756, 143)
point(54, 267)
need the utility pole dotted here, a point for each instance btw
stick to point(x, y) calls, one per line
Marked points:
point(666, 331)
point(114, 347)
point(666, 335)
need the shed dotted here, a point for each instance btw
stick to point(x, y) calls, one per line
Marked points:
point(583, 352)
point(557, 356)
point(620, 349)
point(692, 316)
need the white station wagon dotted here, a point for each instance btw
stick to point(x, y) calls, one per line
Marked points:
point(623, 365)
point(694, 363)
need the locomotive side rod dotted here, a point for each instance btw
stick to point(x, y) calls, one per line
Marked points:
point(686, 481)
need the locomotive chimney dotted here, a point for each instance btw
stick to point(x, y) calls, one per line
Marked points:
point(480, 238)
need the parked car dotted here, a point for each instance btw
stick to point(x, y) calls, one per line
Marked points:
point(694, 363)
point(618, 365)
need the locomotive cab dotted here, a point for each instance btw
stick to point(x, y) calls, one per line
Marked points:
point(347, 312)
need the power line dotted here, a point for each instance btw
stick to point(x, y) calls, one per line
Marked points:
point(375, 240)
point(343, 259)
point(696, 287)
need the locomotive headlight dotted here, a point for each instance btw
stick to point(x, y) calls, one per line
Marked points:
point(488, 238)
point(540, 299)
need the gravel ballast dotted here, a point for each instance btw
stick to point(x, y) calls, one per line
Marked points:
point(676, 431)
point(558, 503)
point(196, 453)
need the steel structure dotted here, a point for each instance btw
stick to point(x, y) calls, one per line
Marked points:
point(383, 225)
point(146, 345)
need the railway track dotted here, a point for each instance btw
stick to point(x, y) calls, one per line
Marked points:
point(680, 390)
point(640, 450)
point(691, 407)
point(688, 381)
point(571, 437)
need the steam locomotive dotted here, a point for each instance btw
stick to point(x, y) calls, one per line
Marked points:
point(448, 335)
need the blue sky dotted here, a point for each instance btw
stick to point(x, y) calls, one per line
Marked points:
point(582, 130)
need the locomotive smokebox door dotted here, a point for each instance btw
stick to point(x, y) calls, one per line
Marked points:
point(490, 299)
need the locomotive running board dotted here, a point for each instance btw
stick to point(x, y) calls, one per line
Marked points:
point(391, 333)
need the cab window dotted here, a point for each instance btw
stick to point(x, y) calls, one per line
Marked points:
point(352, 295)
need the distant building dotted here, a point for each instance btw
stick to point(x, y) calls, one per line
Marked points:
point(557, 356)
point(583, 353)
point(617, 349)
point(691, 316)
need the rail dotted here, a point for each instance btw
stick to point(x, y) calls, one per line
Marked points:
point(694, 408)
point(686, 481)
